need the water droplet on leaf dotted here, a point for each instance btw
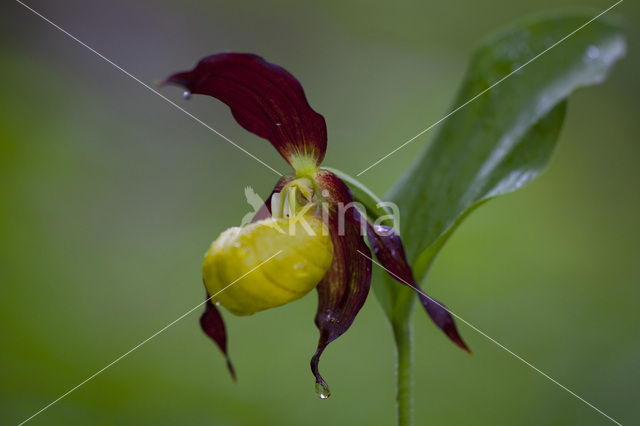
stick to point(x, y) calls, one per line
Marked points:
point(186, 95)
point(217, 303)
point(322, 391)
point(592, 52)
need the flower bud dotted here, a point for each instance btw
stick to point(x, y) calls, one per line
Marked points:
point(303, 253)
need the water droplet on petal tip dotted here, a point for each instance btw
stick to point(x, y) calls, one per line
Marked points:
point(186, 95)
point(322, 391)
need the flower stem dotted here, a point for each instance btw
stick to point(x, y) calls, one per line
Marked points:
point(402, 332)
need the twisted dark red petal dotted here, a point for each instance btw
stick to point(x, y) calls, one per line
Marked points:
point(345, 287)
point(388, 248)
point(264, 98)
point(213, 325)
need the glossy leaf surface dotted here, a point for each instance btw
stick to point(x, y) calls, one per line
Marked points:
point(500, 141)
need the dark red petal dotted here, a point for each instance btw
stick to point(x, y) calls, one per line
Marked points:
point(265, 211)
point(212, 324)
point(345, 287)
point(264, 98)
point(387, 246)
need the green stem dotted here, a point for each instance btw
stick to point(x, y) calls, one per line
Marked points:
point(402, 333)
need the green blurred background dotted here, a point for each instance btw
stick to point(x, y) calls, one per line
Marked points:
point(110, 197)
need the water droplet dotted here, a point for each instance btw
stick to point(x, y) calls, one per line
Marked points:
point(593, 52)
point(186, 95)
point(322, 390)
point(217, 303)
point(278, 124)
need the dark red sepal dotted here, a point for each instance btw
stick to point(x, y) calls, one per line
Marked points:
point(213, 326)
point(264, 98)
point(387, 246)
point(345, 287)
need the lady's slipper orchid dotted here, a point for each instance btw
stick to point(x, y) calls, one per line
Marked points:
point(300, 222)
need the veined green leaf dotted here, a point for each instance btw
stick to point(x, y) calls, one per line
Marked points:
point(500, 141)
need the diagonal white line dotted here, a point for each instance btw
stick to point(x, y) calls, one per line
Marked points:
point(417, 290)
point(491, 87)
point(143, 342)
point(148, 87)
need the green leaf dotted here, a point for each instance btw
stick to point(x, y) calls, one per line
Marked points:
point(500, 141)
